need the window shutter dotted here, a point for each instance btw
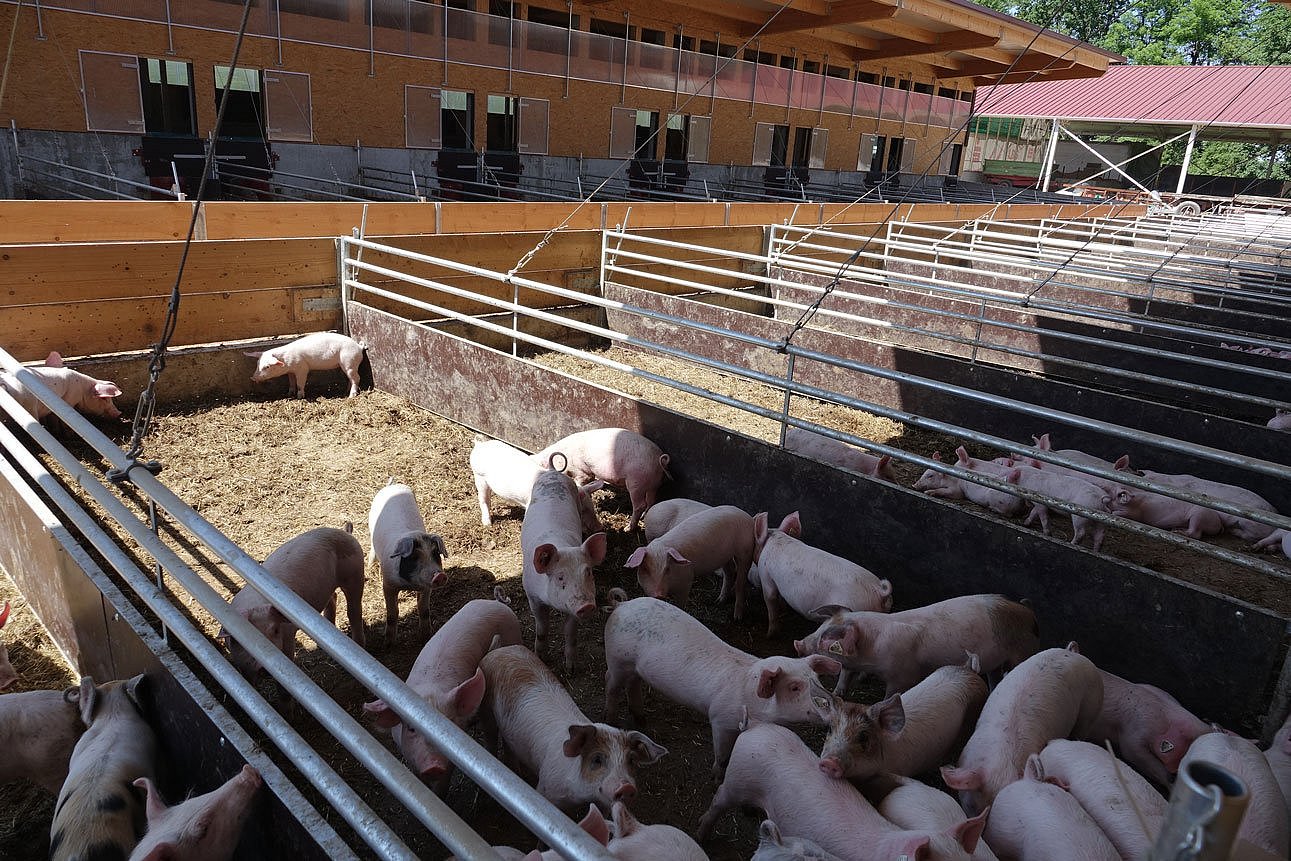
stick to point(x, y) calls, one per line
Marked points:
point(113, 100)
point(534, 123)
point(288, 110)
point(422, 118)
point(697, 138)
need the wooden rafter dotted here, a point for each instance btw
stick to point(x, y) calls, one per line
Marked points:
point(841, 12)
point(953, 41)
point(985, 67)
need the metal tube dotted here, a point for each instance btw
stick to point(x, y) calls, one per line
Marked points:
point(1187, 158)
point(569, 42)
point(1206, 809)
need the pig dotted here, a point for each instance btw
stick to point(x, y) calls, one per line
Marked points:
point(828, 450)
point(314, 565)
point(1032, 820)
point(1242, 527)
point(98, 814)
point(1276, 538)
point(774, 847)
point(88, 395)
point(807, 578)
point(618, 457)
point(1164, 512)
point(505, 471)
point(1068, 488)
point(905, 734)
point(1279, 758)
point(1056, 693)
point(651, 641)
point(773, 770)
point(944, 486)
point(667, 514)
point(1149, 728)
point(629, 841)
point(410, 557)
point(1111, 792)
point(38, 730)
point(447, 675)
point(577, 762)
point(1265, 824)
point(1042, 442)
point(915, 806)
point(720, 537)
point(558, 564)
point(320, 351)
point(903, 648)
point(1281, 420)
point(203, 828)
point(8, 675)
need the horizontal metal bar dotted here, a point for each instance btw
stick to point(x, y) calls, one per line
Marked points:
point(106, 176)
point(65, 179)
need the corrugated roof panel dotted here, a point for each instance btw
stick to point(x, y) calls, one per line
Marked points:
point(1207, 95)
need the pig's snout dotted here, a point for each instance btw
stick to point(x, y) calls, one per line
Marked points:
point(434, 770)
point(625, 793)
point(586, 610)
point(439, 579)
point(831, 767)
point(659, 593)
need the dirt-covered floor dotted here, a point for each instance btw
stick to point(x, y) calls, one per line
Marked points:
point(266, 469)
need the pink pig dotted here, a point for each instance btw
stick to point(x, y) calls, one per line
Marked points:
point(90, 396)
point(1276, 538)
point(629, 841)
point(1149, 728)
point(1042, 442)
point(1281, 420)
point(808, 578)
point(8, 675)
point(1242, 527)
point(665, 515)
point(577, 762)
point(906, 734)
point(320, 351)
point(616, 456)
point(1109, 790)
point(1265, 824)
point(410, 558)
point(1279, 759)
point(447, 675)
point(1068, 488)
point(651, 641)
point(1032, 820)
point(204, 828)
point(944, 486)
point(503, 470)
point(915, 806)
point(1053, 694)
point(904, 648)
point(38, 730)
point(773, 770)
point(720, 537)
point(314, 565)
point(557, 562)
point(828, 450)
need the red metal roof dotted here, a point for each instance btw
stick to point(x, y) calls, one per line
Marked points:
point(1247, 96)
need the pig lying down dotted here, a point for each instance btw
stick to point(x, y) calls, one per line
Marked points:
point(321, 351)
point(88, 395)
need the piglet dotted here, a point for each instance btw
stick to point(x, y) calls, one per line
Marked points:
point(616, 456)
point(1265, 824)
point(633, 841)
point(1043, 443)
point(915, 806)
point(98, 814)
point(8, 675)
point(905, 734)
point(85, 393)
point(1281, 420)
point(1242, 527)
point(577, 762)
point(828, 450)
point(320, 351)
point(1111, 792)
point(38, 730)
point(772, 846)
point(314, 565)
point(1054, 694)
point(203, 828)
point(773, 770)
point(665, 515)
point(1279, 758)
point(410, 557)
point(558, 563)
point(1032, 820)
point(1149, 728)
point(1276, 538)
point(903, 648)
point(720, 537)
point(447, 676)
point(1067, 488)
point(505, 471)
point(807, 577)
point(651, 641)
point(942, 486)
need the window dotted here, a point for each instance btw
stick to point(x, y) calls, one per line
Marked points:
point(549, 40)
point(111, 86)
point(501, 133)
point(167, 87)
point(867, 77)
point(288, 109)
point(811, 67)
point(502, 11)
point(838, 72)
point(604, 49)
point(674, 142)
point(461, 21)
point(788, 62)
point(889, 81)
point(926, 89)
point(337, 10)
point(895, 148)
point(403, 15)
point(422, 117)
point(950, 160)
point(945, 93)
point(615, 29)
point(652, 37)
point(647, 133)
point(534, 122)
point(457, 119)
point(770, 144)
point(244, 117)
point(762, 57)
point(685, 43)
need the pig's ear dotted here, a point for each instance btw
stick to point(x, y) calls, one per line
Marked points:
point(156, 807)
point(535, 855)
point(54, 360)
point(403, 548)
point(635, 560)
point(889, 715)
point(4, 614)
point(1014, 476)
point(884, 460)
point(766, 683)
point(769, 832)
point(594, 547)
point(969, 832)
point(88, 700)
point(1043, 443)
point(1033, 769)
point(1073, 646)
point(676, 556)
point(383, 716)
point(760, 527)
point(792, 525)
point(963, 779)
point(917, 849)
point(134, 690)
point(824, 665)
point(828, 611)
point(104, 389)
point(579, 737)
point(466, 697)
point(439, 543)
point(544, 556)
point(625, 824)
point(1122, 463)
point(595, 825)
point(645, 749)
point(962, 454)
